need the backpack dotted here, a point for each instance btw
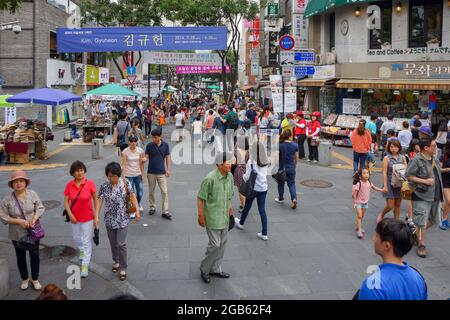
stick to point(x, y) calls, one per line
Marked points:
point(234, 123)
point(398, 175)
point(121, 137)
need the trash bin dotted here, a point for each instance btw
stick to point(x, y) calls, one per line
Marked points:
point(325, 153)
point(97, 149)
point(68, 136)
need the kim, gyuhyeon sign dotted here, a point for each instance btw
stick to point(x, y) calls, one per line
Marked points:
point(141, 39)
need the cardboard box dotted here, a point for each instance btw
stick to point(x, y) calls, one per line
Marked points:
point(19, 158)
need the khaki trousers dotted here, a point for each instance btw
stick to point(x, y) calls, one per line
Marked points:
point(215, 251)
point(162, 183)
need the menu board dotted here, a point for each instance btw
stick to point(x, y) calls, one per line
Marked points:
point(331, 119)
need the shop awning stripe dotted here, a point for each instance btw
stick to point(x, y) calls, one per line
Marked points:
point(316, 7)
point(394, 84)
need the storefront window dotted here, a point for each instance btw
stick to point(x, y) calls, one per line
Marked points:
point(382, 36)
point(425, 22)
point(53, 47)
point(327, 101)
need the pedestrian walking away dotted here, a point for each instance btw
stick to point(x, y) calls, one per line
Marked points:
point(361, 139)
point(120, 137)
point(133, 160)
point(241, 156)
point(80, 202)
point(21, 211)
point(158, 156)
point(214, 212)
point(395, 279)
point(392, 183)
point(288, 162)
point(114, 194)
point(424, 175)
point(258, 163)
point(361, 196)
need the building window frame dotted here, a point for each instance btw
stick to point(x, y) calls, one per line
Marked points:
point(373, 43)
point(416, 43)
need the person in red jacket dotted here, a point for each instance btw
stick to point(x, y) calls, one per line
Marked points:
point(312, 134)
point(300, 133)
point(361, 139)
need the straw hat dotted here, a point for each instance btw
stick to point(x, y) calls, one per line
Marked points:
point(20, 174)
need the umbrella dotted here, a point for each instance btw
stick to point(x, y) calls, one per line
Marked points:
point(3, 103)
point(46, 96)
point(112, 89)
point(214, 87)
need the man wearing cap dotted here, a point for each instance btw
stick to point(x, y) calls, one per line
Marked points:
point(425, 132)
point(21, 210)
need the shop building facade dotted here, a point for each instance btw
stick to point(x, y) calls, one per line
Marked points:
point(401, 68)
point(29, 59)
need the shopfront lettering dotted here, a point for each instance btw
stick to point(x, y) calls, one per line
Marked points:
point(423, 70)
point(408, 51)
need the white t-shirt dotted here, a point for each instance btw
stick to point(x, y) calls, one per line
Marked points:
point(179, 119)
point(133, 165)
point(387, 126)
point(405, 137)
point(197, 125)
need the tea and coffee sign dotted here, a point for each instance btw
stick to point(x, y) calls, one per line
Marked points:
point(408, 54)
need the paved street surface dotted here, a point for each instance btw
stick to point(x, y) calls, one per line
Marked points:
point(312, 253)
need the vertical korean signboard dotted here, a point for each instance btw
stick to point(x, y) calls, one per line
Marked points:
point(299, 24)
point(273, 48)
point(290, 95)
point(277, 93)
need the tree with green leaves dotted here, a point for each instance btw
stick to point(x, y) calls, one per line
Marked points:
point(228, 13)
point(126, 13)
point(11, 5)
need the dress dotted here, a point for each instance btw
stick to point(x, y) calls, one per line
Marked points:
point(393, 193)
point(239, 171)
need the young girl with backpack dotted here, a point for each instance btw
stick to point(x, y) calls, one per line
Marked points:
point(361, 196)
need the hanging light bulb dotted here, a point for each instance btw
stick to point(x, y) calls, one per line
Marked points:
point(357, 12)
point(399, 8)
point(370, 91)
point(396, 92)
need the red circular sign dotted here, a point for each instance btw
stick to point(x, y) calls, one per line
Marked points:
point(287, 42)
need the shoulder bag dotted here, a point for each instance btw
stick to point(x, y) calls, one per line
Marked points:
point(34, 234)
point(65, 213)
point(409, 188)
point(247, 188)
point(398, 175)
point(130, 207)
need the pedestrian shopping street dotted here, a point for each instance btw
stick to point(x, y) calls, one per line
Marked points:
point(312, 252)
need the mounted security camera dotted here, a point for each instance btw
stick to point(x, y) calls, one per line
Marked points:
point(17, 29)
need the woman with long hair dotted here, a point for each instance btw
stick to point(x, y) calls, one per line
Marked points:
point(258, 162)
point(361, 139)
point(441, 138)
point(392, 193)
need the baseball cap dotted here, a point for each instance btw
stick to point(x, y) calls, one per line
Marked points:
point(426, 130)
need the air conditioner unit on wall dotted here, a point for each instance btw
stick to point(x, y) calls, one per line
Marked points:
point(331, 58)
point(320, 59)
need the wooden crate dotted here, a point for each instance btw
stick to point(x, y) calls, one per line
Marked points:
point(19, 158)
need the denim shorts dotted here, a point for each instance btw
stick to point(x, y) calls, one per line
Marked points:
point(370, 157)
point(362, 206)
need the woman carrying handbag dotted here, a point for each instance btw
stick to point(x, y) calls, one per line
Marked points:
point(21, 210)
point(312, 133)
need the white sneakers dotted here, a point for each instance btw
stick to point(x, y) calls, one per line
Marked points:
point(279, 201)
point(237, 223)
point(36, 284)
point(24, 285)
point(265, 238)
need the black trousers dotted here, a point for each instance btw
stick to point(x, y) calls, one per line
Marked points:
point(313, 151)
point(22, 262)
point(301, 145)
point(148, 128)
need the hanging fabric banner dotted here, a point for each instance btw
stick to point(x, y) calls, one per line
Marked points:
point(141, 39)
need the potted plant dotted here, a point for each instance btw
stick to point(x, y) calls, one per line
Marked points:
point(386, 45)
point(433, 43)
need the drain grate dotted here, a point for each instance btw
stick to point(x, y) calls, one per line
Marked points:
point(51, 204)
point(58, 252)
point(316, 183)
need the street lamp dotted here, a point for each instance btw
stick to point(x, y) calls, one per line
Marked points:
point(14, 26)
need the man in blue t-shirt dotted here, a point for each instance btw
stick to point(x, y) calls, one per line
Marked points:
point(394, 279)
point(158, 154)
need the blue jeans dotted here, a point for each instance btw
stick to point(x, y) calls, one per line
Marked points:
point(261, 200)
point(290, 173)
point(359, 161)
point(136, 182)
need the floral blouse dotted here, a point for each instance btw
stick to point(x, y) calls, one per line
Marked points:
point(116, 215)
point(31, 206)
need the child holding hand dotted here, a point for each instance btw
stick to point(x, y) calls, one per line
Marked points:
point(361, 196)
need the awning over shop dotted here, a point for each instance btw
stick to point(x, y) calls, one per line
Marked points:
point(316, 82)
point(316, 7)
point(394, 84)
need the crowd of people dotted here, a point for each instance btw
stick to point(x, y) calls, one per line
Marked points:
point(410, 163)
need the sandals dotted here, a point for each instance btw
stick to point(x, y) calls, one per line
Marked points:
point(122, 276)
point(115, 267)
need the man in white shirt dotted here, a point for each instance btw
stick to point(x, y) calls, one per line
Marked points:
point(179, 125)
point(405, 137)
point(387, 125)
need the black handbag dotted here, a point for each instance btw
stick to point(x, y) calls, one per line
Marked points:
point(96, 237)
point(280, 176)
point(247, 188)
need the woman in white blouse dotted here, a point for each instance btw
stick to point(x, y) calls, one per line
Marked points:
point(259, 163)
